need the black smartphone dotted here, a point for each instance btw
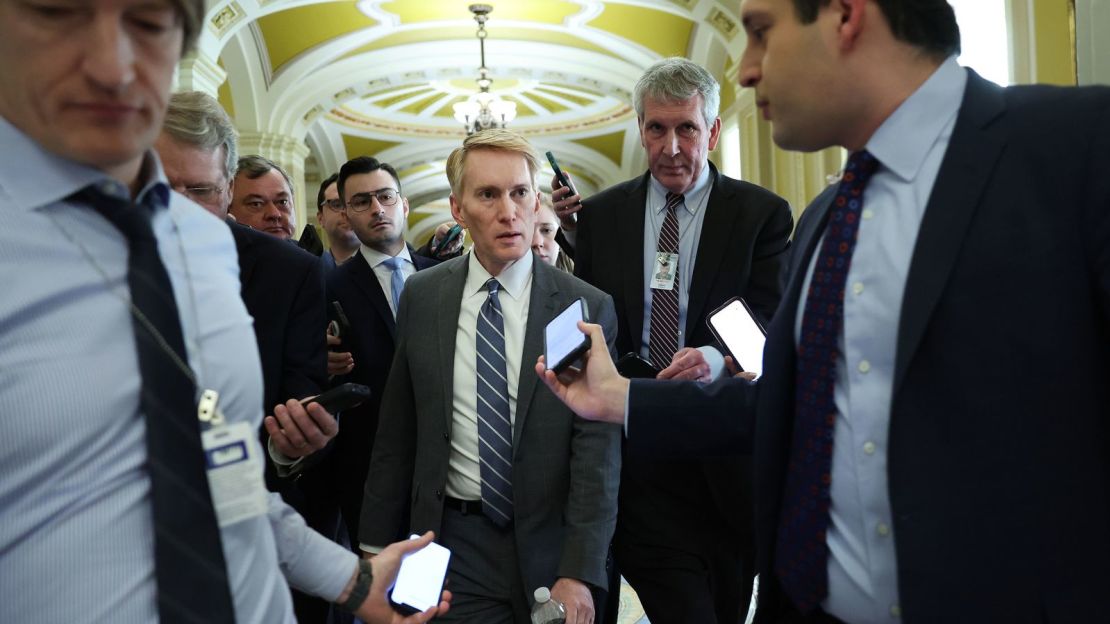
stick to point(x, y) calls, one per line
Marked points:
point(341, 397)
point(563, 342)
point(420, 580)
point(740, 333)
point(338, 326)
point(562, 177)
point(448, 238)
point(633, 366)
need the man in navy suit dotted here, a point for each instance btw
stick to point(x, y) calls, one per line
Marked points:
point(958, 469)
point(364, 286)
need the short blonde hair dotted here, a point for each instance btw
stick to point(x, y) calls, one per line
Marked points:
point(496, 139)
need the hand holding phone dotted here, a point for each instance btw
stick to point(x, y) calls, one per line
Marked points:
point(341, 397)
point(740, 333)
point(448, 239)
point(559, 175)
point(563, 342)
point(420, 580)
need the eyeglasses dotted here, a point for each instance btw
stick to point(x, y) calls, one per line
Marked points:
point(361, 201)
point(202, 194)
point(334, 205)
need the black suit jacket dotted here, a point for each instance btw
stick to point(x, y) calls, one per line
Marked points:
point(283, 289)
point(744, 239)
point(370, 342)
point(999, 441)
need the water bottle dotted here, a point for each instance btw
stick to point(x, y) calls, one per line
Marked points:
point(547, 610)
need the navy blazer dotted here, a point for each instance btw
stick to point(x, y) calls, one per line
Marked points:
point(999, 442)
point(371, 342)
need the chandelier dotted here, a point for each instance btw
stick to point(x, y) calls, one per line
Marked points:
point(483, 110)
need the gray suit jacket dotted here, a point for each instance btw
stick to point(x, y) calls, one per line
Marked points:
point(565, 470)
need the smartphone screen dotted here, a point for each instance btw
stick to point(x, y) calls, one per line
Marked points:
point(420, 579)
point(563, 341)
point(740, 333)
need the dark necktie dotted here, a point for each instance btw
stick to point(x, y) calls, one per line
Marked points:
point(495, 434)
point(189, 562)
point(663, 335)
point(801, 556)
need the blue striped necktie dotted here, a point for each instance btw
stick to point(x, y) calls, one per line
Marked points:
point(495, 434)
point(397, 280)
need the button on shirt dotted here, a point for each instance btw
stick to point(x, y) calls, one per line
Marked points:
point(690, 220)
point(464, 472)
point(385, 274)
point(76, 542)
point(910, 144)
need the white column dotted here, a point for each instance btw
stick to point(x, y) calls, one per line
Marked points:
point(198, 72)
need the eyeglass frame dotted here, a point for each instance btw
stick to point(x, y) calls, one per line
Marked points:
point(334, 205)
point(370, 196)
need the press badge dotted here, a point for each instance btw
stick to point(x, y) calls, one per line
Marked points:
point(664, 272)
point(233, 466)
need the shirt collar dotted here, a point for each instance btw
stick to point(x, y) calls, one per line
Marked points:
point(903, 141)
point(375, 257)
point(513, 279)
point(32, 177)
point(691, 198)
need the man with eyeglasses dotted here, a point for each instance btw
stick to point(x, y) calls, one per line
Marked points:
point(342, 241)
point(368, 287)
point(263, 197)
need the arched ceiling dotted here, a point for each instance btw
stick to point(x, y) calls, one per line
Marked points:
point(379, 77)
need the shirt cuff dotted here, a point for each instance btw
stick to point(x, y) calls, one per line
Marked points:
point(279, 458)
point(373, 550)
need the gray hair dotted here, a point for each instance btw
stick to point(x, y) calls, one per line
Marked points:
point(675, 80)
point(254, 166)
point(197, 119)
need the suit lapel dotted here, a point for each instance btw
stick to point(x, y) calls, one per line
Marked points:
point(631, 257)
point(364, 277)
point(720, 215)
point(972, 153)
point(541, 309)
point(448, 305)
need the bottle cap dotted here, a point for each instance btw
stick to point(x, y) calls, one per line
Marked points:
point(542, 594)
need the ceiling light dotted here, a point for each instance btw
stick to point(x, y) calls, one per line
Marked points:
point(483, 110)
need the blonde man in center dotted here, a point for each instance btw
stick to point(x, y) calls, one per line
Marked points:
point(522, 492)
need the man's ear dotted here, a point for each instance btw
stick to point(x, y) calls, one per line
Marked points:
point(851, 17)
point(456, 212)
point(405, 203)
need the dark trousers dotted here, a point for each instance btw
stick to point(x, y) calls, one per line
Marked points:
point(676, 586)
point(484, 572)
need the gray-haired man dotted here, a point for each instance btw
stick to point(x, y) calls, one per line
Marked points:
point(684, 534)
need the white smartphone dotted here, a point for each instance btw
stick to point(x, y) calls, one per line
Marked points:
point(740, 333)
point(420, 579)
point(563, 342)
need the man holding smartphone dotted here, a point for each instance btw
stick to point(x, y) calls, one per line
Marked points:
point(469, 444)
point(137, 470)
point(671, 246)
point(366, 289)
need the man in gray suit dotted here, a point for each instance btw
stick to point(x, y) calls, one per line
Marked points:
point(469, 444)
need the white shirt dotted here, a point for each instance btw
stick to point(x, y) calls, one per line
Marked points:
point(910, 145)
point(385, 274)
point(464, 473)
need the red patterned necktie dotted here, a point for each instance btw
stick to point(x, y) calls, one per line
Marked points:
point(801, 552)
point(663, 335)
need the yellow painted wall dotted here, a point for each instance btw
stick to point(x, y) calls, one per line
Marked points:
point(1054, 30)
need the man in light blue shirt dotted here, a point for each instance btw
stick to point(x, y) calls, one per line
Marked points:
point(83, 99)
